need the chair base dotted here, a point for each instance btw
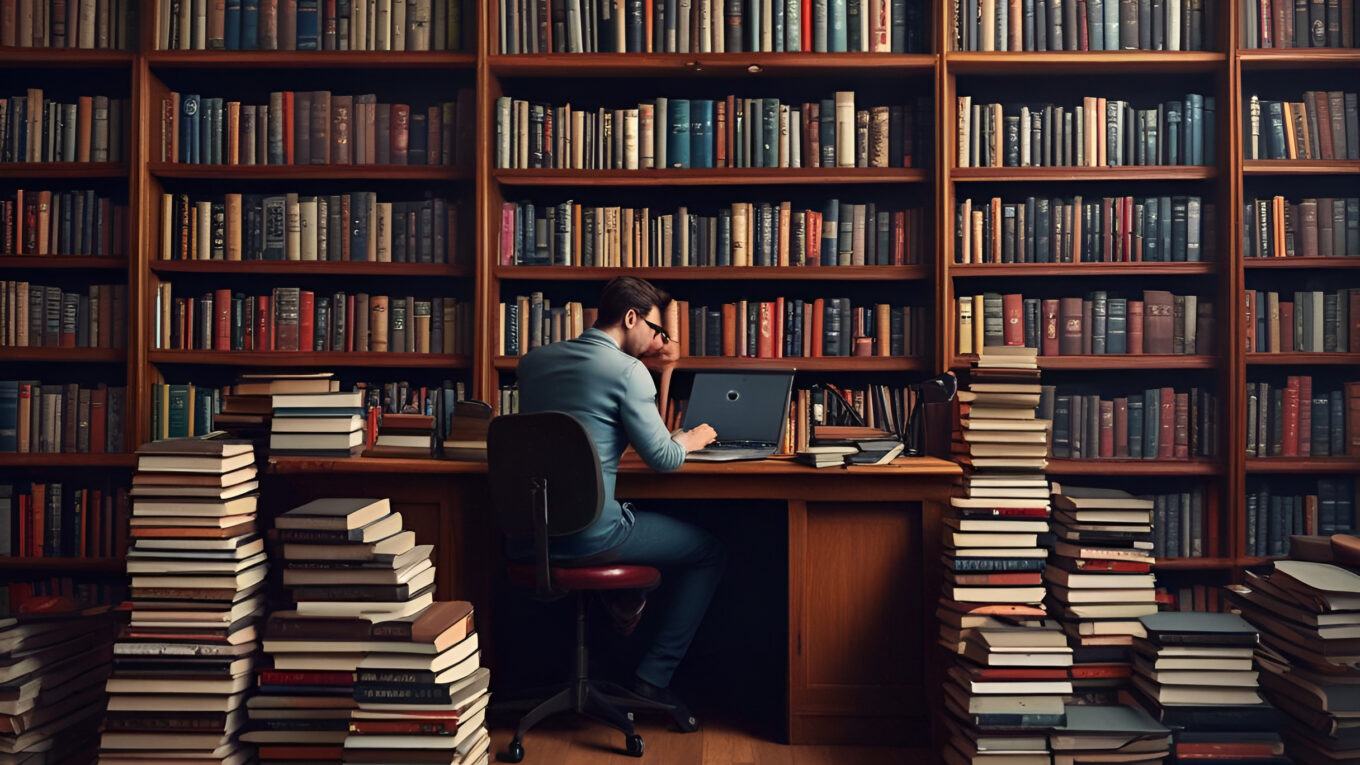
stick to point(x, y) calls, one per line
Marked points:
point(588, 700)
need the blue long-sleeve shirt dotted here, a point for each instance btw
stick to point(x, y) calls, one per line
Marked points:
point(613, 396)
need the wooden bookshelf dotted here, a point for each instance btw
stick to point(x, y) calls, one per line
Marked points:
point(427, 173)
point(1064, 270)
point(286, 59)
point(1320, 264)
point(61, 263)
point(65, 58)
point(722, 176)
point(1304, 465)
point(38, 171)
point(62, 565)
point(1135, 467)
point(1083, 62)
point(1300, 167)
point(1193, 564)
point(120, 460)
point(51, 355)
point(813, 364)
point(1303, 359)
point(1298, 58)
point(315, 359)
point(312, 268)
point(1111, 362)
point(1074, 174)
point(723, 65)
point(707, 273)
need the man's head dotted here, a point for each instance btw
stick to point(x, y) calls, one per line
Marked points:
point(630, 311)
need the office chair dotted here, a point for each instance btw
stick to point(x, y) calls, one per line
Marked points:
point(540, 492)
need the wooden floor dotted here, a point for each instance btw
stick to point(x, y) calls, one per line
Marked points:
point(571, 743)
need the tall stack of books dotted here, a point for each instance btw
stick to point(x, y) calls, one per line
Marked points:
point(1100, 578)
point(1308, 613)
point(1194, 672)
point(327, 424)
point(248, 406)
point(1097, 733)
point(52, 669)
point(351, 571)
point(184, 662)
point(423, 698)
point(1007, 687)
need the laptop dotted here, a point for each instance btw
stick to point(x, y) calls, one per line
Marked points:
point(747, 409)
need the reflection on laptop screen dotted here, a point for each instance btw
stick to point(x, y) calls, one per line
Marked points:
point(741, 406)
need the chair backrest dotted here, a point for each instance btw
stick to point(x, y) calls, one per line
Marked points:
point(553, 447)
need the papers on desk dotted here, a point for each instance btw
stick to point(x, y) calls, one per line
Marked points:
point(869, 452)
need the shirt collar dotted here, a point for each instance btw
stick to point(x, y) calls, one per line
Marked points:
point(599, 337)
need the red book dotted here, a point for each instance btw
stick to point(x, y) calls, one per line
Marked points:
point(1106, 429)
point(1305, 416)
point(732, 131)
point(1290, 417)
point(1013, 311)
point(1086, 565)
point(899, 238)
point(99, 413)
point(401, 133)
point(1017, 673)
point(264, 337)
point(429, 727)
point(222, 320)
point(305, 677)
point(1121, 427)
point(288, 126)
point(1095, 671)
point(1352, 419)
point(1286, 326)
point(1249, 319)
point(719, 133)
point(1215, 751)
point(1135, 327)
point(349, 322)
point(306, 320)
point(508, 233)
point(1166, 436)
point(818, 310)
point(1017, 578)
point(765, 339)
point(1049, 342)
point(778, 326)
point(807, 24)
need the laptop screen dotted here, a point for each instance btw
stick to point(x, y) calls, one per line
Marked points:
point(741, 406)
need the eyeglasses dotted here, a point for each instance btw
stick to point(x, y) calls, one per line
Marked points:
point(658, 329)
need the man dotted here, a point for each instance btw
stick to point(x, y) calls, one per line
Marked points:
point(600, 378)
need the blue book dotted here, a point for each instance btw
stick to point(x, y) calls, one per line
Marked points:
point(793, 25)
point(309, 25)
point(1207, 155)
point(769, 129)
point(233, 23)
point(250, 24)
point(188, 140)
point(1194, 122)
point(777, 25)
point(701, 133)
point(837, 36)
point(899, 26)
point(852, 12)
point(677, 146)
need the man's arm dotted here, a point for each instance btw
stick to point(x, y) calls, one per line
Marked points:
point(643, 423)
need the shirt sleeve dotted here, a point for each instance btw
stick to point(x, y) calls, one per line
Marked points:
point(646, 430)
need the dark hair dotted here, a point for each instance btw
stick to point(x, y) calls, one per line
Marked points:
point(625, 292)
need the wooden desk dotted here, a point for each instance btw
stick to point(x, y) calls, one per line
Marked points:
point(863, 546)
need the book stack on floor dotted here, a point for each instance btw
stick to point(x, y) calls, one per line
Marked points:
point(1100, 578)
point(352, 573)
point(1193, 671)
point(1308, 613)
point(423, 698)
point(248, 406)
point(322, 424)
point(52, 669)
point(184, 662)
point(404, 435)
point(1008, 684)
point(1109, 733)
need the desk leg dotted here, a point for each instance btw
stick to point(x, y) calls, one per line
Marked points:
point(856, 600)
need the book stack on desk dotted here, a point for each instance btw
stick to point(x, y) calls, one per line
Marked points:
point(351, 572)
point(1006, 689)
point(1100, 578)
point(1194, 672)
point(248, 405)
point(1308, 613)
point(404, 435)
point(185, 660)
point(53, 668)
point(327, 424)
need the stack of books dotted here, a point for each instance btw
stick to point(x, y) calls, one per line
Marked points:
point(423, 697)
point(248, 405)
point(1007, 687)
point(1308, 614)
point(1194, 672)
point(466, 439)
point(404, 435)
point(53, 669)
point(324, 424)
point(1109, 733)
point(351, 571)
point(1100, 578)
point(184, 662)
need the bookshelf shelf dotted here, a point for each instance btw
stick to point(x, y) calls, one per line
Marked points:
point(984, 270)
point(578, 65)
point(431, 173)
point(65, 355)
point(1083, 62)
point(318, 359)
point(64, 460)
point(23, 564)
point(284, 465)
point(73, 170)
point(1311, 359)
point(1300, 167)
point(1193, 564)
point(810, 364)
point(311, 268)
point(725, 176)
point(1250, 561)
point(364, 60)
point(1133, 467)
point(1126, 362)
point(1301, 263)
point(61, 263)
point(1298, 58)
point(64, 58)
point(690, 273)
point(1280, 465)
point(1074, 174)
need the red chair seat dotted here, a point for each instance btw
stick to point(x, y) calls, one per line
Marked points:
point(590, 577)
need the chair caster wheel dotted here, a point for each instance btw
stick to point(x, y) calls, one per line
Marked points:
point(635, 745)
point(514, 752)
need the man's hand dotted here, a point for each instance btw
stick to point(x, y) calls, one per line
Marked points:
point(663, 358)
point(696, 438)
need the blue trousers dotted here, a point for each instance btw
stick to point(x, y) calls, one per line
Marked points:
point(691, 562)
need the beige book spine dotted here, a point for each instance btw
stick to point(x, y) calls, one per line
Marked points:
point(845, 128)
point(292, 221)
point(202, 243)
point(307, 228)
point(377, 323)
point(384, 233)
